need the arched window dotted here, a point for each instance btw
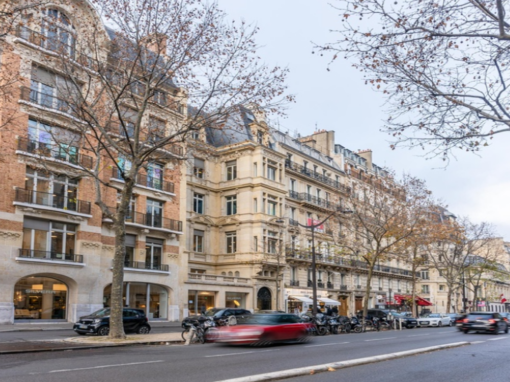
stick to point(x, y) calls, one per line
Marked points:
point(58, 32)
point(230, 274)
point(237, 274)
point(223, 273)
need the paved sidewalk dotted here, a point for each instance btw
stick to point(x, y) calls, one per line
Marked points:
point(88, 342)
point(39, 326)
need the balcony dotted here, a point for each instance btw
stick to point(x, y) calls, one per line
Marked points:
point(294, 283)
point(54, 45)
point(62, 152)
point(152, 221)
point(329, 285)
point(316, 176)
point(293, 223)
point(146, 266)
point(343, 287)
point(358, 286)
point(304, 197)
point(215, 279)
point(149, 182)
point(51, 200)
point(50, 256)
point(48, 101)
point(320, 285)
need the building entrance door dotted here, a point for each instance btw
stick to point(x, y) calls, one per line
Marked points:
point(264, 299)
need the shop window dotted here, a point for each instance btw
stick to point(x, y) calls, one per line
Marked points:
point(151, 298)
point(200, 301)
point(38, 297)
point(235, 300)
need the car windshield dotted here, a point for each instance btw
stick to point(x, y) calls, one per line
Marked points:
point(479, 316)
point(102, 312)
point(212, 312)
point(260, 319)
point(434, 315)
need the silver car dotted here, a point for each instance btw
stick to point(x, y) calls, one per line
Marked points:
point(435, 319)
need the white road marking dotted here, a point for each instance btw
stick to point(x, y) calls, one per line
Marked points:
point(338, 343)
point(381, 339)
point(99, 367)
point(497, 339)
point(419, 335)
point(477, 342)
point(246, 352)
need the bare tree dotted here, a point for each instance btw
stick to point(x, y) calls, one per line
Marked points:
point(382, 223)
point(133, 93)
point(441, 65)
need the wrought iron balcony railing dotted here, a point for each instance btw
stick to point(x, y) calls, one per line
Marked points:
point(46, 100)
point(50, 255)
point(318, 177)
point(294, 283)
point(62, 152)
point(152, 220)
point(146, 265)
point(52, 200)
point(148, 181)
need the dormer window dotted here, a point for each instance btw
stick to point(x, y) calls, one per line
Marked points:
point(260, 137)
point(58, 32)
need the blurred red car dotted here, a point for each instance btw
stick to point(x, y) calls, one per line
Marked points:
point(264, 329)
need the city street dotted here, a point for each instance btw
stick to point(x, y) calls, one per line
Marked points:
point(209, 362)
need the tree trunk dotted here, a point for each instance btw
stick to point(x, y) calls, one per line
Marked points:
point(117, 303)
point(367, 292)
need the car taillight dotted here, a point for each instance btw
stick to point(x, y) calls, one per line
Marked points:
point(492, 321)
point(146, 319)
point(465, 320)
point(506, 319)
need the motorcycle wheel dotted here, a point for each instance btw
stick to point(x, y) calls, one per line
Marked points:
point(357, 329)
point(321, 330)
point(334, 329)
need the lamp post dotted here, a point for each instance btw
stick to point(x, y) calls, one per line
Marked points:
point(312, 228)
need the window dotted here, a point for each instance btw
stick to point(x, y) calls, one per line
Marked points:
point(160, 97)
point(272, 242)
point(128, 122)
point(195, 135)
point(442, 288)
point(155, 175)
point(255, 243)
point(293, 213)
point(130, 215)
point(130, 242)
point(255, 205)
point(52, 141)
point(198, 241)
point(231, 242)
point(156, 131)
point(48, 239)
point(231, 170)
point(292, 185)
point(198, 203)
point(271, 205)
point(271, 172)
point(260, 137)
point(319, 193)
point(51, 190)
point(153, 253)
point(424, 274)
point(255, 169)
point(293, 273)
point(424, 289)
point(231, 205)
point(154, 217)
point(59, 35)
point(199, 168)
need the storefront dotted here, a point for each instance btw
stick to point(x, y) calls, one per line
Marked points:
point(152, 298)
point(200, 301)
point(40, 298)
point(302, 299)
point(235, 300)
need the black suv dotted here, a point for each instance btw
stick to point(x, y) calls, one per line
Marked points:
point(381, 314)
point(484, 322)
point(217, 314)
point(408, 321)
point(99, 322)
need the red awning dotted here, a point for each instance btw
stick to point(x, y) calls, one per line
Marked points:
point(419, 301)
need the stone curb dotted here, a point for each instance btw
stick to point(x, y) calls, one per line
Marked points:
point(58, 329)
point(86, 347)
point(278, 375)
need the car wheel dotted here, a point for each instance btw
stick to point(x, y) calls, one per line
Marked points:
point(506, 329)
point(452, 323)
point(465, 331)
point(103, 331)
point(439, 324)
point(144, 329)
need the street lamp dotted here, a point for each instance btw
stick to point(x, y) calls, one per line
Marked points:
point(312, 228)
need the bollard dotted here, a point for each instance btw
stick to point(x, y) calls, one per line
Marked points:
point(191, 335)
point(400, 322)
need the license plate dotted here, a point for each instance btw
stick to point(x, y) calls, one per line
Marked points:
point(424, 323)
point(83, 326)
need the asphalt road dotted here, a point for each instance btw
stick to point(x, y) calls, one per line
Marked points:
point(209, 362)
point(8, 337)
point(485, 361)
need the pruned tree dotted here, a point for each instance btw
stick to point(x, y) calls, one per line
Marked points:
point(382, 223)
point(135, 91)
point(442, 66)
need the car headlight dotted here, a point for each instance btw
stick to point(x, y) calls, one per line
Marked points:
point(97, 321)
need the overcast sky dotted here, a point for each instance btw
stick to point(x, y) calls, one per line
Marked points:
point(478, 187)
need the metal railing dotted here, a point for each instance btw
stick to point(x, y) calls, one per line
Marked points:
point(294, 283)
point(293, 222)
point(320, 285)
point(329, 285)
point(52, 200)
point(343, 287)
point(50, 255)
point(151, 220)
point(318, 177)
point(49, 101)
point(146, 265)
point(61, 152)
point(55, 45)
point(147, 181)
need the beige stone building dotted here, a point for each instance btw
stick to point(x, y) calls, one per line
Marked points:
point(56, 248)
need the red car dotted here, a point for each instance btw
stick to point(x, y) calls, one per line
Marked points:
point(264, 329)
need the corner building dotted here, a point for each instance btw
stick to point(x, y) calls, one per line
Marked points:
point(56, 249)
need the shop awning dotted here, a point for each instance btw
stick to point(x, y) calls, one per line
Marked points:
point(329, 301)
point(306, 300)
point(419, 301)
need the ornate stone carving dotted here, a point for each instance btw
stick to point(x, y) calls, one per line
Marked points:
point(91, 244)
point(9, 235)
point(173, 256)
point(272, 156)
point(108, 248)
